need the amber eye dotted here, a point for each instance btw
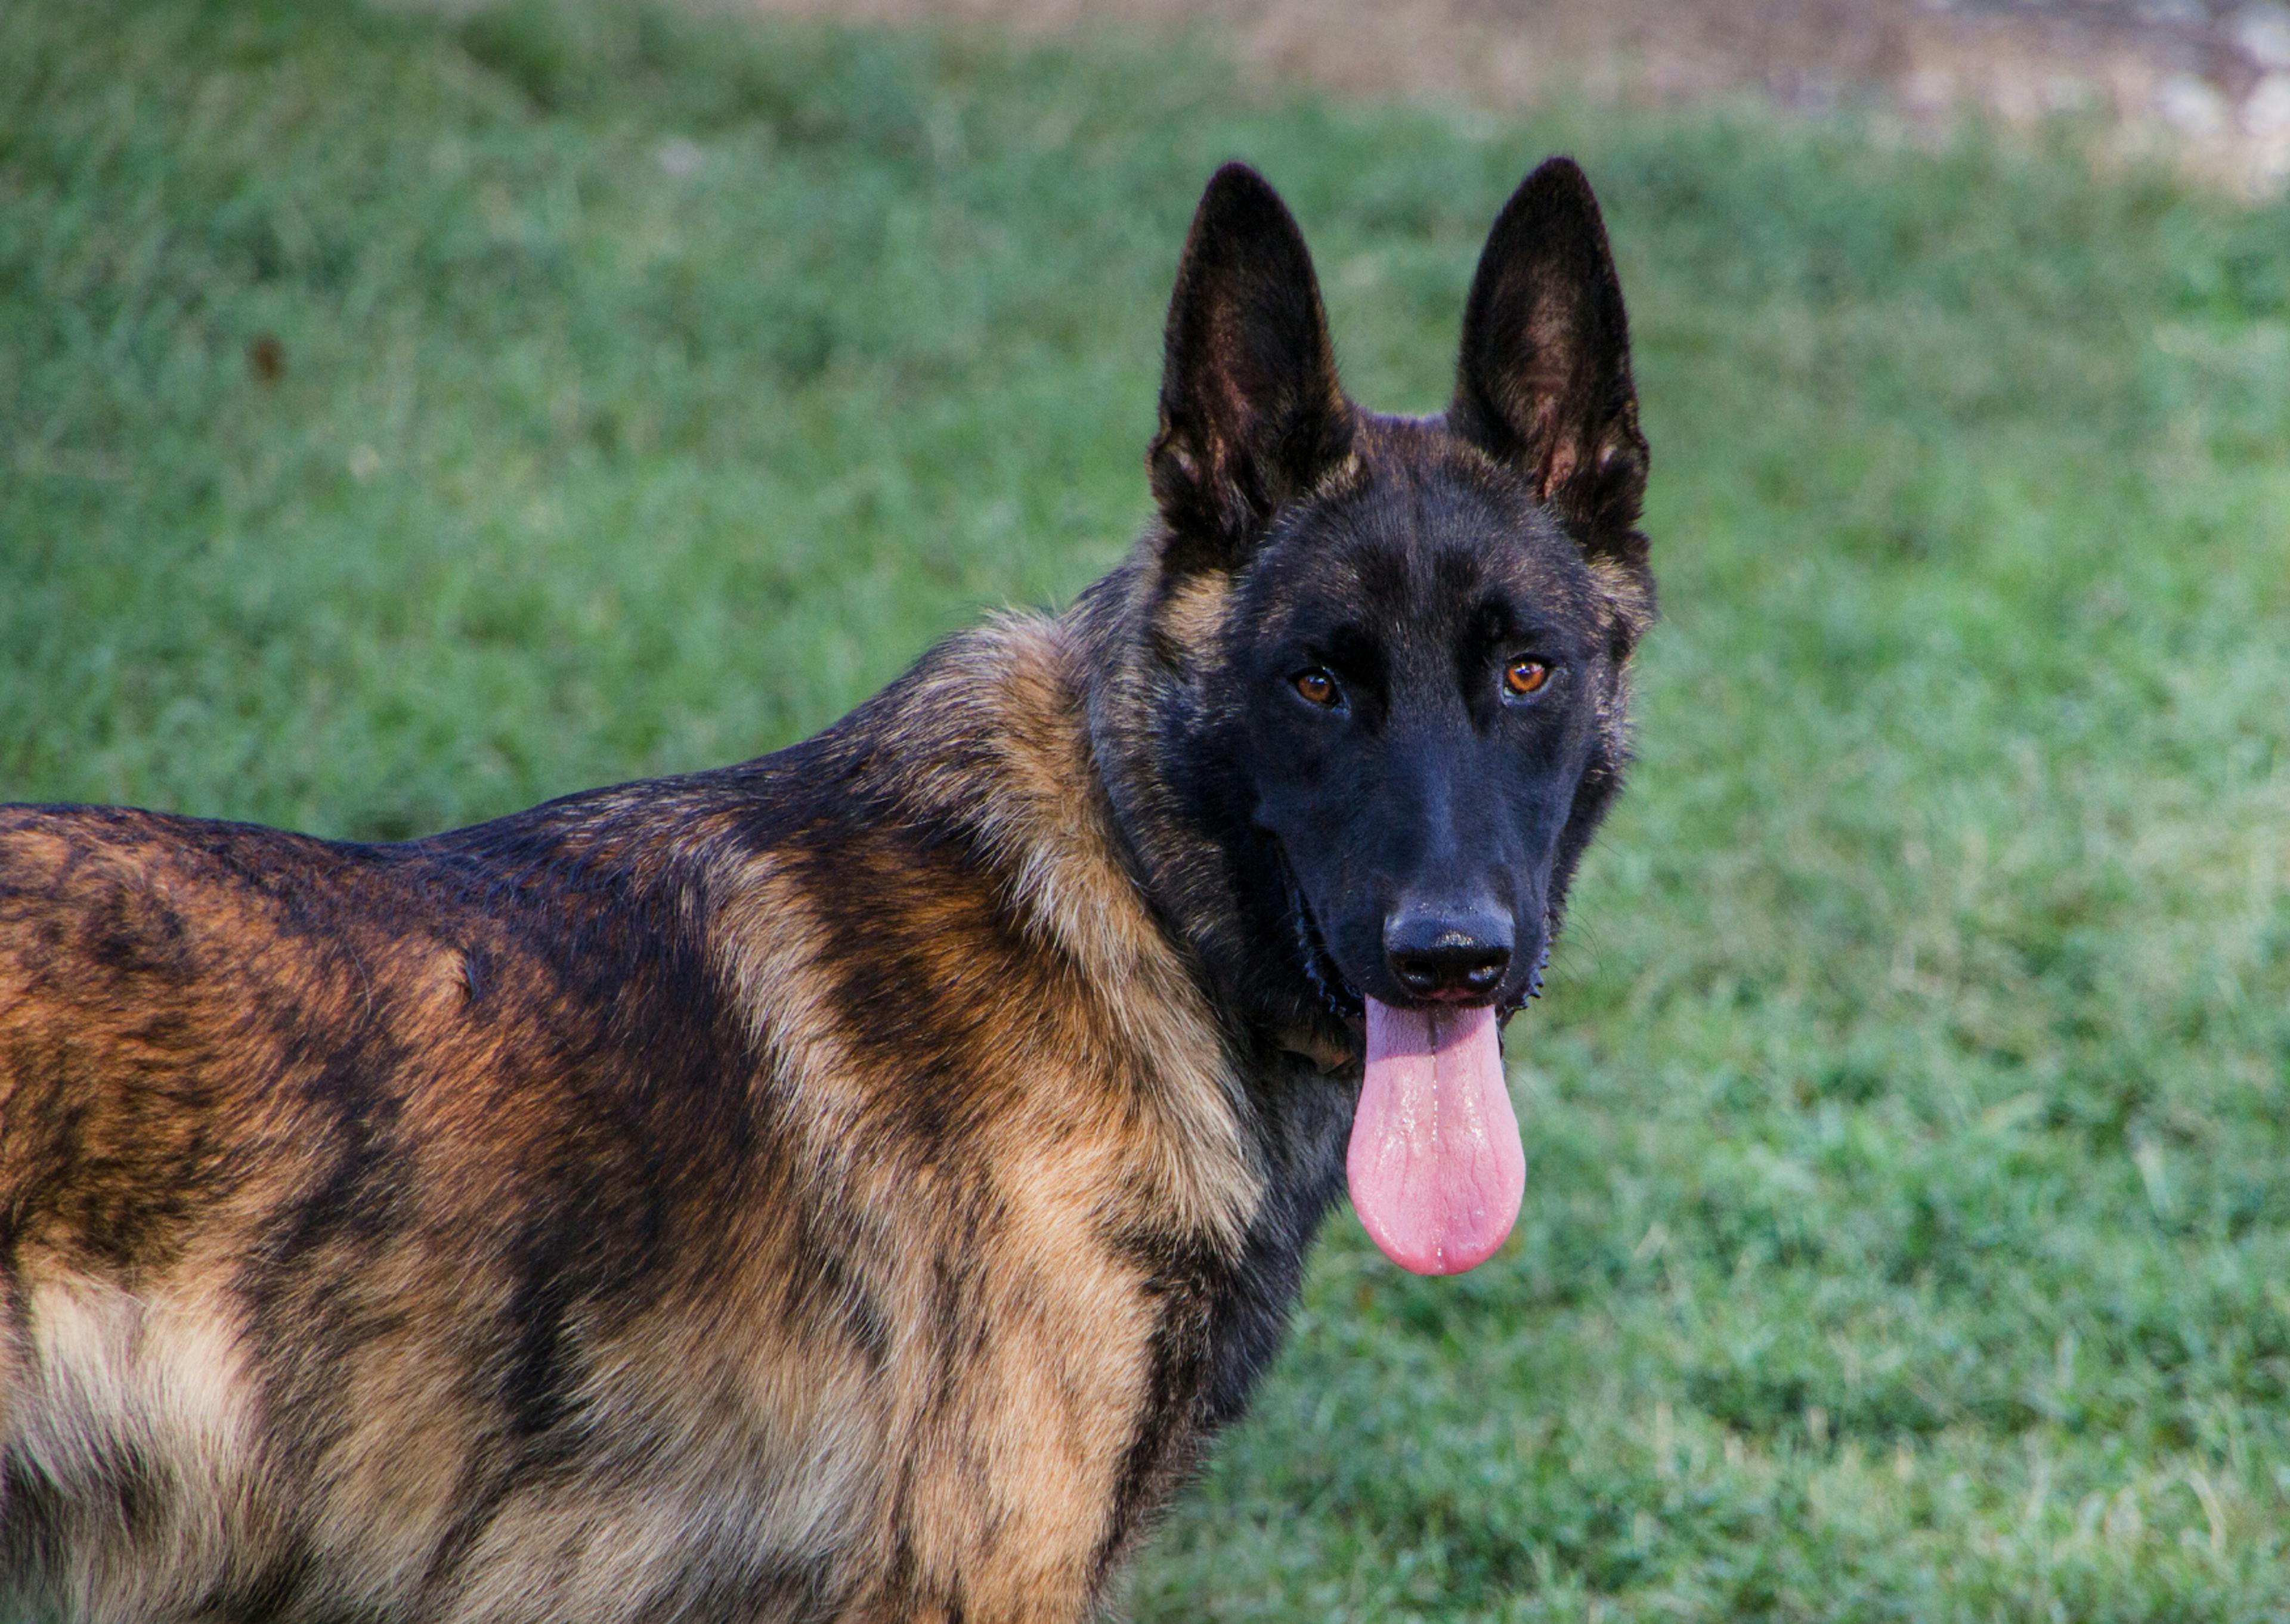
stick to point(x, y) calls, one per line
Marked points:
point(1317, 686)
point(1523, 678)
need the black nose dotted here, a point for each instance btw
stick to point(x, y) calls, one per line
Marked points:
point(1453, 955)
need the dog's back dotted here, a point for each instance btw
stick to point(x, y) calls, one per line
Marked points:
point(342, 1186)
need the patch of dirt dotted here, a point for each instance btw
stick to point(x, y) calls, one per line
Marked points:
point(2203, 83)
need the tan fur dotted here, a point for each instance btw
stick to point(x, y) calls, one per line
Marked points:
point(1107, 1103)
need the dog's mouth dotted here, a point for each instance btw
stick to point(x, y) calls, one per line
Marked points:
point(1325, 976)
point(1436, 1168)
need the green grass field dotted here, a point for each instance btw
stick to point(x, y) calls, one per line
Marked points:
point(1908, 1229)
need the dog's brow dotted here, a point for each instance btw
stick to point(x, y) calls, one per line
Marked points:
point(1356, 648)
point(1500, 619)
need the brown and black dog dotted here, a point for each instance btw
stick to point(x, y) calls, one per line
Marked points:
point(851, 1185)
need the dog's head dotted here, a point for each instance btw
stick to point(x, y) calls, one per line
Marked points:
point(1387, 656)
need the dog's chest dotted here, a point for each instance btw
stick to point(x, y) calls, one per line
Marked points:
point(1304, 1119)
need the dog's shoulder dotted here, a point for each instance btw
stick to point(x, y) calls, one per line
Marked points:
point(931, 903)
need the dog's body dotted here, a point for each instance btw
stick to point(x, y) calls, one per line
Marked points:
point(811, 1188)
point(852, 1185)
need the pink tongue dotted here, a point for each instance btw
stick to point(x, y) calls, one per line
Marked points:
point(1436, 1171)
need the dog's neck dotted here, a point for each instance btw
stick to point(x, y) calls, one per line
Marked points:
point(1177, 864)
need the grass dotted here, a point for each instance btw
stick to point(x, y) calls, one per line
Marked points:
point(1908, 1230)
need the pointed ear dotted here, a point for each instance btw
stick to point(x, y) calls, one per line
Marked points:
point(1252, 415)
point(1544, 382)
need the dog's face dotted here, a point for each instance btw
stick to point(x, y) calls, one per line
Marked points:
point(1423, 664)
point(1398, 646)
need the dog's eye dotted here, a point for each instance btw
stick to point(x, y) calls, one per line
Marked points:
point(1524, 678)
point(1317, 686)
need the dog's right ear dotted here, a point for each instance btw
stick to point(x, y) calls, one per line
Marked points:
point(1251, 414)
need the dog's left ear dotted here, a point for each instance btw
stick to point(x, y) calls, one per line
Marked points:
point(1252, 415)
point(1544, 380)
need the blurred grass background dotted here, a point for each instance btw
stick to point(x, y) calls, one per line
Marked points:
point(404, 419)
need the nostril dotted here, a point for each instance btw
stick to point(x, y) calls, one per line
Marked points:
point(1471, 968)
point(1439, 958)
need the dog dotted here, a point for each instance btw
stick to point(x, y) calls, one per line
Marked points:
point(854, 1185)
